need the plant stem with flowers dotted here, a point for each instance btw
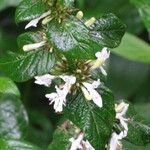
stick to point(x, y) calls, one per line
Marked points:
point(73, 50)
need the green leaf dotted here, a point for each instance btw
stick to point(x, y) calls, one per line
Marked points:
point(139, 131)
point(134, 49)
point(30, 9)
point(13, 117)
point(74, 39)
point(24, 66)
point(130, 146)
point(8, 3)
point(144, 10)
point(29, 38)
point(138, 134)
point(16, 145)
point(61, 138)
point(108, 30)
point(8, 86)
point(95, 122)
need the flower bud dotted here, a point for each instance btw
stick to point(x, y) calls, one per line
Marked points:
point(90, 22)
point(30, 47)
point(79, 15)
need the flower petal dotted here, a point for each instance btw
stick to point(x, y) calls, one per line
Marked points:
point(103, 55)
point(103, 71)
point(86, 93)
point(68, 79)
point(35, 21)
point(30, 47)
point(96, 84)
point(44, 79)
point(76, 143)
point(96, 97)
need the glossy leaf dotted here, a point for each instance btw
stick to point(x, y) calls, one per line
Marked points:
point(133, 48)
point(95, 122)
point(108, 30)
point(30, 9)
point(16, 145)
point(139, 131)
point(8, 86)
point(13, 117)
point(74, 39)
point(24, 66)
point(138, 134)
point(130, 146)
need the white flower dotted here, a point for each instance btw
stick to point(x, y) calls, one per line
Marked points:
point(69, 80)
point(115, 142)
point(59, 98)
point(87, 145)
point(44, 80)
point(79, 143)
point(121, 110)
point(76, 143)
point(30, 47)
point(34, 22)
point(103, 55)
point(91, 94)
point(101, 58)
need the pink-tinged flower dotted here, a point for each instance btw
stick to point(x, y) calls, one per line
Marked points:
point(69, 81)
point(101, 58)
point(76, 143)
point(34, 22)
point(44, 79)
point(79, 143)
point(115, 141)
point(91, 94)
point(103, 55)
point(121, 110)
point(30, 47)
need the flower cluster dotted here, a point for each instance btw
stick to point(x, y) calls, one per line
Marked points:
point(115, 142)
point(58, 97)
point(79, 143)
point(87, 87)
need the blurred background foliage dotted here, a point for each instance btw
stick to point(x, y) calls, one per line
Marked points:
point(128, 67)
